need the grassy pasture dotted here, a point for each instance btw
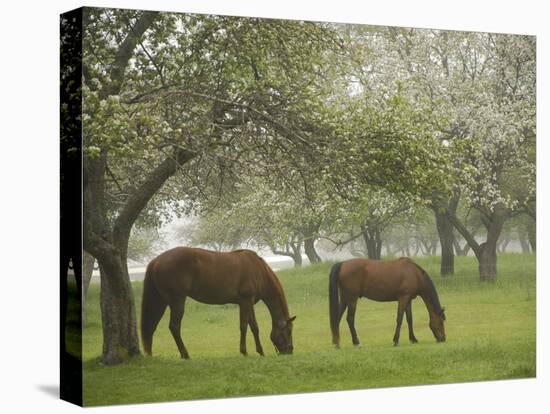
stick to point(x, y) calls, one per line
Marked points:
point(490, 335)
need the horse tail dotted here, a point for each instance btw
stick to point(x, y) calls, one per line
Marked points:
point(152, 309)
point(334, 302)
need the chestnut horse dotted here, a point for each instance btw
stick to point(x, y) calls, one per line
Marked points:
point(398, 280)
point(240, 277)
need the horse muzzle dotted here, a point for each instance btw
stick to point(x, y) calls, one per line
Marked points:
point(287, 351)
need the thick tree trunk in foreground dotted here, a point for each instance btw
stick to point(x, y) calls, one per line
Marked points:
point(118, 316)
point(109, 244)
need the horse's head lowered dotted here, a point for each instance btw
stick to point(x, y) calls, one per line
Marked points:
point(281, 336)
point(437, 325)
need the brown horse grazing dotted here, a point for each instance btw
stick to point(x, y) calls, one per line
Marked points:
point(240, 277)
point(396, 280)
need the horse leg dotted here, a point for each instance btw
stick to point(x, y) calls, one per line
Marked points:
point(408, 312)
point(255, 331)
point(352, 306)
point(244, 313)
point(400, 310)
point(176, 315)
point(336, 338)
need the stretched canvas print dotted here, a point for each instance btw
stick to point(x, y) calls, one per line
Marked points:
point(255, 206)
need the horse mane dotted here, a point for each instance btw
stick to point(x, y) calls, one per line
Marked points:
point(432, 295)
point(272, 277)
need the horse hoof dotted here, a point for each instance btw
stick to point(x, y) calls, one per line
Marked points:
point(395, 343)
point(357, 345)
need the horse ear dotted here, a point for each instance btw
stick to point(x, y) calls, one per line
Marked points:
point(291, 319)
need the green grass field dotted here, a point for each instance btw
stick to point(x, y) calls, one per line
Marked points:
point(490, 335)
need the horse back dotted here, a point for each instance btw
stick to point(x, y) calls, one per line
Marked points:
point(380, 280)
point(207, 276)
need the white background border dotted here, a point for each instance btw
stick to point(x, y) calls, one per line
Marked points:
point(29, 216)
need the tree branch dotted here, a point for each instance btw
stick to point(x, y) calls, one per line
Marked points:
point(124, 54)
point(281, 128)
point(157, 67)
point(476, 248)
point(144, 192)
point(341, 243)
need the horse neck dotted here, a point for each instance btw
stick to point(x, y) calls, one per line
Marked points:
point(274, 298)
point(426, 297)
point(429, 295)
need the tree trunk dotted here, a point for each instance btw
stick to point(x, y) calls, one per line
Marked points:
point(417, 247)
point(292, 250)
point(87, 271)
point(310, 233)
point(379, 245)
point(486, 253)
point(373, 241)
point(311, 253)
point(446, 239)
point(488, 262)
point(389, 251)
point(524, 242)
point(109, 245)
point(118, 314)
point(371, 248)
point(297, 260)
point(434, 248)
point(424, 247)
point(501, 247)
point(108, 241)
point(461, 251)
point(297, 253)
